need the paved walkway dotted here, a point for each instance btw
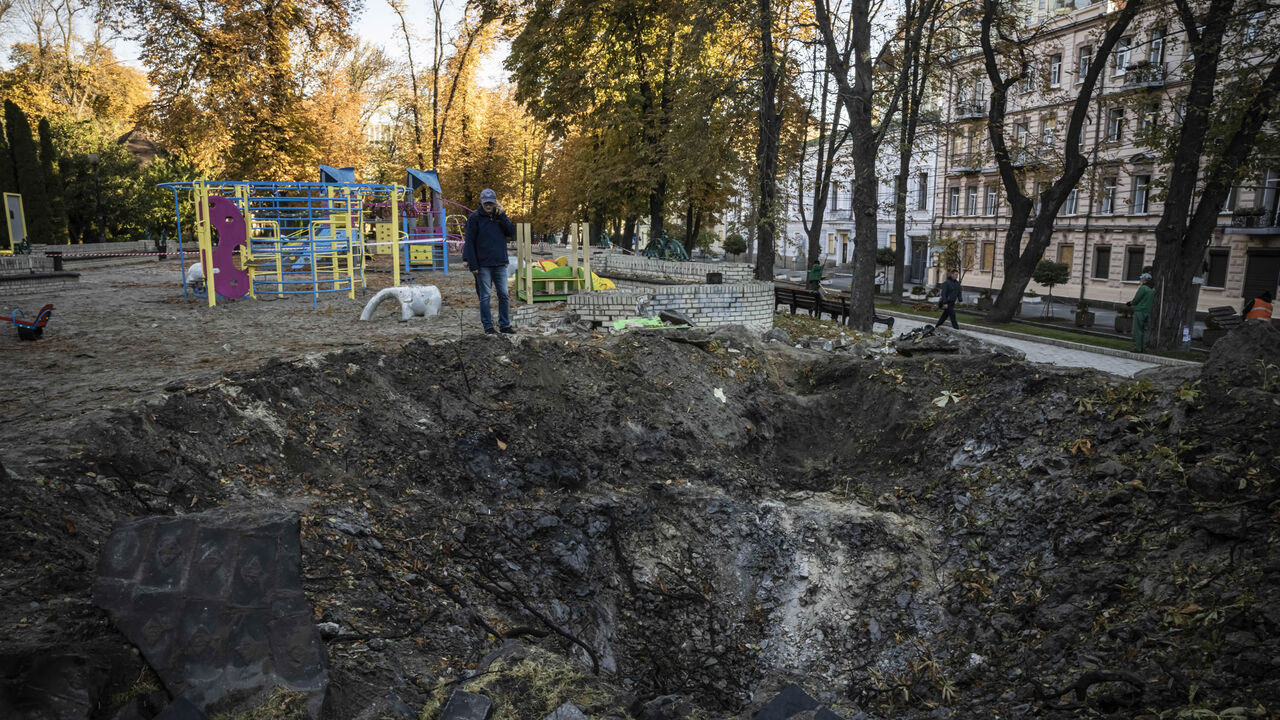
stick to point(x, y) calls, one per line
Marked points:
point(1037, 350)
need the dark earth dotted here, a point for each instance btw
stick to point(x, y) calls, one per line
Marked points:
point(575, 517)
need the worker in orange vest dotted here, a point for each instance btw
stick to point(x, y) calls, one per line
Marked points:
point(1259, 308)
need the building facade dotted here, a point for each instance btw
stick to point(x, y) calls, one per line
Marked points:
point(836, 236)
point(1105, 232)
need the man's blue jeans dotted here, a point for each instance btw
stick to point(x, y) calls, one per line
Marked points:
point(497, 277)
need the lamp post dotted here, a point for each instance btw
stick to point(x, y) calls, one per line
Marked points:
point(97, 197)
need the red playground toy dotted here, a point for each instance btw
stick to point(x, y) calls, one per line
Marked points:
point(31, 329)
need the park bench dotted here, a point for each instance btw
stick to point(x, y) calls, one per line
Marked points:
point(837, 306)
point(1226, 316)
point(795, 298)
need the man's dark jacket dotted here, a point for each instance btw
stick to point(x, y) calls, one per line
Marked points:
point(486, 239)
point(950, 292)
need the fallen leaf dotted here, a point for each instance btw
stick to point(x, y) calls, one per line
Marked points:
point(502, 445)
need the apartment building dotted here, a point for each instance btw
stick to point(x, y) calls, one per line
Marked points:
point(836, 236)
point(1105, 232)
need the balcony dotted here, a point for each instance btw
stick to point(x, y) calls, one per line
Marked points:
point(966, 164)
point(1254, 221)
point(970, 110)
point(1143, 76)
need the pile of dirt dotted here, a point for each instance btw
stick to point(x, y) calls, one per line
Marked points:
point(693, 520)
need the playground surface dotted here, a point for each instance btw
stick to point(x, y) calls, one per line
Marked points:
point(124, 333)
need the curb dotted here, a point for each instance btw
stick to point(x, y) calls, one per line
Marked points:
point(1142, 357)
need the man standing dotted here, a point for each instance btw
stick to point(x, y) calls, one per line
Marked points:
point(1258, 308)
point(485, 253)
point(950, 295)
point(815, 277)
point(1142, 302)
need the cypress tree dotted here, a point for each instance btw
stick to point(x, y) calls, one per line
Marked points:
point(7, 184)
point(27, 172)
point(52, 185)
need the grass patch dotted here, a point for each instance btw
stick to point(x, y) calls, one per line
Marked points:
point(531, 685)
point(1117, 343)
point(802, 325)
point(281, 704)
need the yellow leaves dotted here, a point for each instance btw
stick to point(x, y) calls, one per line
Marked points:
point(1082, 446)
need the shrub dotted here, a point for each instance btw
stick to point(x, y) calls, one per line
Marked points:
point(885, 256)
point(735, 244)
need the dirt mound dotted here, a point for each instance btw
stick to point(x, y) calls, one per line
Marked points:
point(1249, 355)
point(700, 519)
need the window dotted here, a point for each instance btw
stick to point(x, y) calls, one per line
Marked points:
point(1155, 51)
point(991, 199)
point(1254, 28)
point(953, 201)
point(988, 257)
point(922, 191)
point(1133, 257)
point(1147, 120)
point(1122, 55)
point(1067, 254)
point(1055, 70)
point(1115, 124)
point(971, 201)
point(1069, 207)
point(1083, 56)
point(1180, 109)
point(1141, 187)
point(1048, 132)
point(1028, 77)
point(831, 243)
point(970, 254)
point(1229, 206)
point(958, 144)
point(1040, 187)
point(1108, 196)
point(1101, 262)
point(893, 241)
point(1216, 277)
point(1021, 132)
point(835, 197)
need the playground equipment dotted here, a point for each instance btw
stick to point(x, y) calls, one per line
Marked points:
point(548, 281)
point(31, 329)
point(15, 241)
point(421, 300)
point(665, 248)
point(273, 239)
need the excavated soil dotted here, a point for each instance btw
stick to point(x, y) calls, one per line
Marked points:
point(676, 524)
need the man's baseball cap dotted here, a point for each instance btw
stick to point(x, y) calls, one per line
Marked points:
point(488, 195)
point(1144, 276)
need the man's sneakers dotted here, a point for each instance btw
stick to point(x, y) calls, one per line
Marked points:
point(490, 331)
point(508, 331)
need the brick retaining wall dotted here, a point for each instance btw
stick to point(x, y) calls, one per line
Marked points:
point(708, 306)
point(638, 267)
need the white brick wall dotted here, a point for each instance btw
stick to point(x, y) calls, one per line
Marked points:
point(638, 267)
point(708, 306)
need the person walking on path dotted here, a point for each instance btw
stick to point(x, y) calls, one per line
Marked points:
point(1142, 302)
point(948, 299)
point(815, 277)
point(484, 251)
point(1258, 308)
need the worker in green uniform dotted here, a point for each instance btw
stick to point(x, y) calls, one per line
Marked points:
point(815, 277)
point(1142, 302)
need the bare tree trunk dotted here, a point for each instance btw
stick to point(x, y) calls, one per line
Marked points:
point(770, 128)
point(1183, 234)
point(1020, 261)
point(398, 7)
